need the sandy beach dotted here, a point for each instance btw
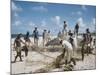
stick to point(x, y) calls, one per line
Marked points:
point(37, 60)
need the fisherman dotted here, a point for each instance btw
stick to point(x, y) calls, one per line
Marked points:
point(83, 46)
point(69, 33)
point(71, 39)
point(27, 43)
point(44, 37)
point(88, 40)
point(17, 46)
point(36, 36)
point(48, 36)
point(65, 25)
point(94, 42)
point(68, 52)
point(27, 37)
point(76, 29)
point(64, 31)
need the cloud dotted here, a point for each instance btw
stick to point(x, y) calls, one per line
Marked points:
point(80, 21)
point(77, 13)
point(15, 14)
point(15, 8)
point(17, 23)
point(93, 25)
point(94, 21)
point(56, 20)
point(84, 7)
point(82, 25)
point(40, 9)
point(31, 24)
point(43, 23)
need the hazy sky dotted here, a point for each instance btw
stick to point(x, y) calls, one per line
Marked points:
point(27, 15)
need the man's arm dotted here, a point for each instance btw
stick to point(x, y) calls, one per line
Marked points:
point(14, 43)
point(63, 51)
point(22, 41)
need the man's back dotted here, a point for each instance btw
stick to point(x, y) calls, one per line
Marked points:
point(68, 45)
point(77, 26)
point(35, 33)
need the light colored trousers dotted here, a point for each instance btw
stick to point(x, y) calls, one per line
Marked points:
point(68, 55)
point(44, 42)
point(36, 41)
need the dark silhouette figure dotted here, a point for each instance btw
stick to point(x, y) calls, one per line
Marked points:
point(76, 29)
point(27, 41)
point(17, 46)
point(83, 45)
point(71, 38)
point(36, 36)
point(88, 40)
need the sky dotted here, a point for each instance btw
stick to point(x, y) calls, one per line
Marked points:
point(25, 16)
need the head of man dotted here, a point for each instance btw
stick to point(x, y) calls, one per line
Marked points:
point(71, 34)
point(87, 30)
point(84, 35)
point(49, 31)
point(35, 28)
point(61, 41)
point(65, 24)
point(19, 36)
point(45, 30)
point(27, 33)
point(69, 31)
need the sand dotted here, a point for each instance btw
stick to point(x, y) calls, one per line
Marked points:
point(35, 61)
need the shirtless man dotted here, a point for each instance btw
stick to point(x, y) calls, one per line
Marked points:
point(27, 43)
point(17, 46)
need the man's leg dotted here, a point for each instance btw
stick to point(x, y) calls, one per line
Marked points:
point(87, 50)
point(77, 32)
point(34, 40)
point(37, 42)
point(43, 42)
point(20, 56)
point(26, 51)
point(73, 60)
point(67, 60)
point(17, 49)
point(26, 54)
point(82, 52)
point(16, 57)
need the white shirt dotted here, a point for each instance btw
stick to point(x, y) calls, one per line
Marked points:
point(67, 45)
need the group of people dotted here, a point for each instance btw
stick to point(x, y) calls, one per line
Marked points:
point(46, 36)
point(67, 44)
point(17, 43)
point(65, 31)
point(18, 47)
point(88, 43)
point(68, 50)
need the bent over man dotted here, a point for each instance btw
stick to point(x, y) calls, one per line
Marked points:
point(68, 52)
